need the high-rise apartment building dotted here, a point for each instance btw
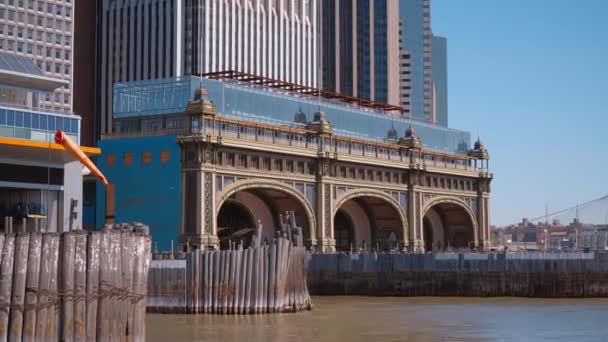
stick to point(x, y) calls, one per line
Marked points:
point(440, 80)
point(42, 31)
point(136, 40)
point(416, 39)
point(405, 72)
point(360, 50)
point(150, 39)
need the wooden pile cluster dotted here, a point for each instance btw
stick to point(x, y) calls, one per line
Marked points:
point(261, 279)
point(74, 286)
point(452, 274)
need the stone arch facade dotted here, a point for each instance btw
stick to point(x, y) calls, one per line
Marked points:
point(456, 201)
point(356, 193)
point(231, 189)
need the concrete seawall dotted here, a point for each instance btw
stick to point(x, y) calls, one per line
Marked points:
point(451, 274)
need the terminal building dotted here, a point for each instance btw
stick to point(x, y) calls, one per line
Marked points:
point(40, 183)
point(204, 160)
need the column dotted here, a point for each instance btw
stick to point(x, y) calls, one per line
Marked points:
point(198, 221)
point(414, 213)
point(324, 205)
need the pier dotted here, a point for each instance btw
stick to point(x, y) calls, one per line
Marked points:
point(554, 275)
point(260, 279)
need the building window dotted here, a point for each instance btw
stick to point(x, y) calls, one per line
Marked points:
point(110, 159)
point(146, 157)
point(164, 156)
point(127, 158)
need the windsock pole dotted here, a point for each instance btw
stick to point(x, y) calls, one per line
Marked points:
point(62, 139)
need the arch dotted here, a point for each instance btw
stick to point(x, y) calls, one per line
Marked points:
point(268, 185)
point(455, 201)
point(234, 216)
point(360, 193)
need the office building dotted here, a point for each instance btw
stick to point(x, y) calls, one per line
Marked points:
point(140, 40)
point(85, 64)
point(405, 72)
point(360, 50)
point(42, 31)
point(440, 80)
point(416, 38)
point(40, 183)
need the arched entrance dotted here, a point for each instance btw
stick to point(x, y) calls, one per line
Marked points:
point(235, 223)
point(367, 220)
point(449, 225)
point(265, 203)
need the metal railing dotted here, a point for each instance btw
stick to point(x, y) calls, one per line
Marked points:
point(220, 127)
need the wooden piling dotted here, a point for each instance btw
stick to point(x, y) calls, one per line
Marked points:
point(272, 258)
point(80, 284)
point(22, 242)
point(126, 283)
point(53, 314)
point(32, 286)
point(104, 312)
point(68, 250)
point(92, 284)
point(6, 283)
point(140, 264)
point(232, 281)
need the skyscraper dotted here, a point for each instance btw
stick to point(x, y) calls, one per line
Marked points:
point(43, 32)
point(440, 80)
point(360, 49)
point(141, 40)
point(417, 40)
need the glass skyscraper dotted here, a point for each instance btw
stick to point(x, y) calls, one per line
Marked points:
point(440, 80)
point(360, 49)
point(416, 39)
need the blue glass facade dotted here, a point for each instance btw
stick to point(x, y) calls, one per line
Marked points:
point(413, 14)
point(380, 52)
point(440, 79)
point(363, 50)
point(36, 126)
point(273, 106)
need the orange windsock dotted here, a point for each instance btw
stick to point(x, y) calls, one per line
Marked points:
point(67, 143)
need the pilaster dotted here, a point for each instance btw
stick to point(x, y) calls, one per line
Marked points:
point(324, 204)
point(198, 219)
point(414, 212)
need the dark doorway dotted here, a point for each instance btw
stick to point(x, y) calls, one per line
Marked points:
point(343, 232)
point(234, 223)
point(428, 235)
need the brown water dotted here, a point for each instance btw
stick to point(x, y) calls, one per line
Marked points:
point(350, 319)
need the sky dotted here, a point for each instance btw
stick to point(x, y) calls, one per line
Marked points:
point(531, 78)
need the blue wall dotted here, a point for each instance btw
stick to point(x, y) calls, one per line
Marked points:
point(148, 193)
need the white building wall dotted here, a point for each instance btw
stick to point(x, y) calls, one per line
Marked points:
point(271, 38)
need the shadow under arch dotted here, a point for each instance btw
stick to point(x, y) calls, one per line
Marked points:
point(384, 198)
point(436, 204)
point(258, 184)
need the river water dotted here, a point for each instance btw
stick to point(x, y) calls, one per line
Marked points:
point(350, 319)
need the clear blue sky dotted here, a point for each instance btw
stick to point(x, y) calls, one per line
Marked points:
point(532, 77)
